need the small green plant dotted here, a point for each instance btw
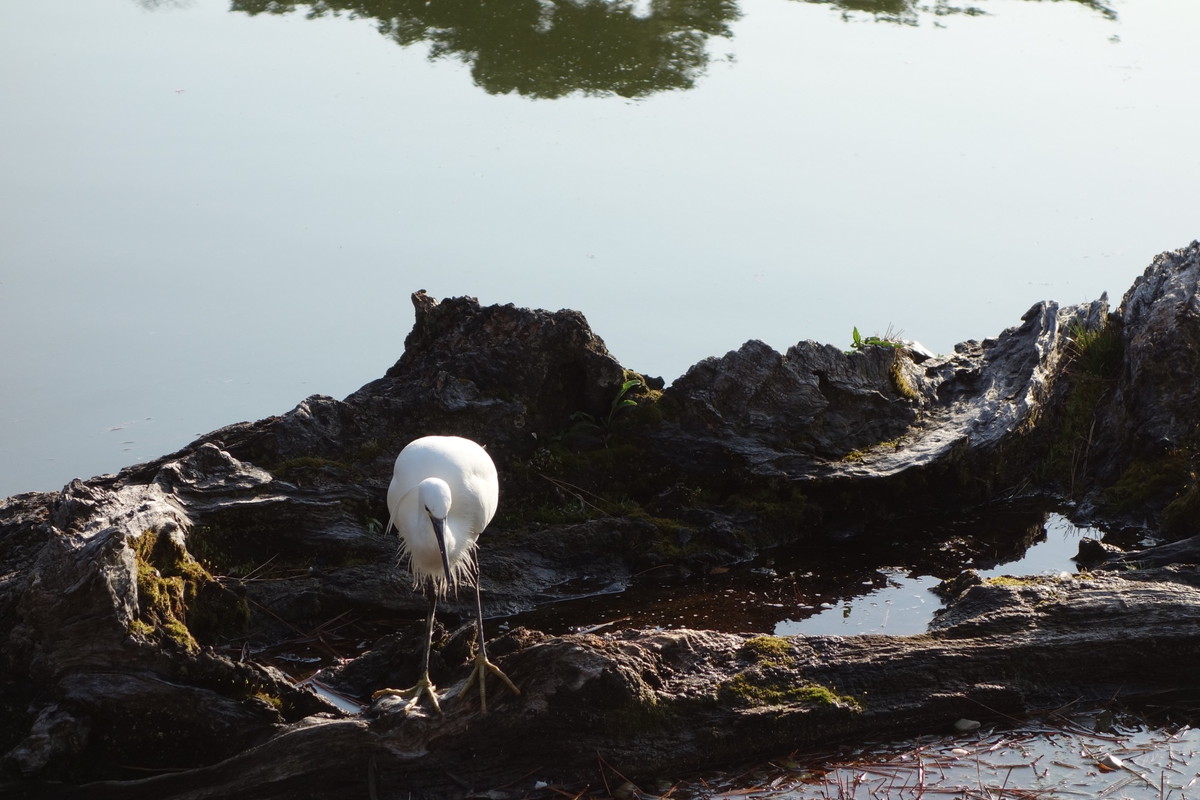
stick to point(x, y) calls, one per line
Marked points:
point(1098, 351)
point(621, 401)
point(889, 339)
point(585, 423)
point(272, 700)
point(370, 450)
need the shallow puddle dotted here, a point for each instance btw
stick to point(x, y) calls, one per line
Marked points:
point(905, 603)
point(848, 583)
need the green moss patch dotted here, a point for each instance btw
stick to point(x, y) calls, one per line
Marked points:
point(1182, 515)
point(900, 381)
point(1149, 481)
point(1170, 482)
point(1009, 580)
point(776, 504)
point(758, 688)
point(308, 464)
point(178, 599)
point(769, 649)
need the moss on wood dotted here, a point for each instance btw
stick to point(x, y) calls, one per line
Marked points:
point(178, 598)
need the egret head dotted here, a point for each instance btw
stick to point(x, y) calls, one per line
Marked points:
point(434, 494)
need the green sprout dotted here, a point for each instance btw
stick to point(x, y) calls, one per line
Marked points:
point(889, 339)
point(587, 423)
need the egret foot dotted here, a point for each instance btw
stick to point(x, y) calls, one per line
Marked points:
point(479, 675)
point(423, 689)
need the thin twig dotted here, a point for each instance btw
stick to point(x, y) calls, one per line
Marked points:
point(579, 492)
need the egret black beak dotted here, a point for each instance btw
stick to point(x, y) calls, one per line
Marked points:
point(439, 530)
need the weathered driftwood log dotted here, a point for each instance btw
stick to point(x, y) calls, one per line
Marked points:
point(646, 705)
point(134, 607)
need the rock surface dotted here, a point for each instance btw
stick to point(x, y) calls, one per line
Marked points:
point(139, 611)
point(821, 415)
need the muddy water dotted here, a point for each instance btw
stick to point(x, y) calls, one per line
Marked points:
point(870, 580)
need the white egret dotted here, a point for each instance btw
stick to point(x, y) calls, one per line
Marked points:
point(444, 492)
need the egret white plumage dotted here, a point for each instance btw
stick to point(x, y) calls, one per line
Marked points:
point(444, 492)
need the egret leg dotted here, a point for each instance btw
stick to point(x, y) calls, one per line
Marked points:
point(482, 665)
point(424, 687)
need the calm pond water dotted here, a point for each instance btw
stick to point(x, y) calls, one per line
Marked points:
point(210, 210)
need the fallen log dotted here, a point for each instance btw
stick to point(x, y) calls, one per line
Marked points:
point(651, 704)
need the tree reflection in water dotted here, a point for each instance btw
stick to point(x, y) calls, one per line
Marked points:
point(551, 48)
point(910, 12)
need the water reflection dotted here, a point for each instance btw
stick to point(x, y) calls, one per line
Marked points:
point(548, 48)
point(901, 601)
point(847, 583)
point(911, 12)
point(551, 48)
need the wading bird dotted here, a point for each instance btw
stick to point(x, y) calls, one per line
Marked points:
point(443, 493)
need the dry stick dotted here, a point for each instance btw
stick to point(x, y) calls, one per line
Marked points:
point(273, 614)
point(317, 634)
point(302, 637)
point(603, 777)
point(978, 772)
point(1079, 730)
point(153, 770)
point(603, 625)
point(325, 628)
point(1007, 775)
point(578, 491)
point(533, 771)
point(557, 790)
point(250, 575)
point(989, 709)
point(651, 569)
point(667, 794)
